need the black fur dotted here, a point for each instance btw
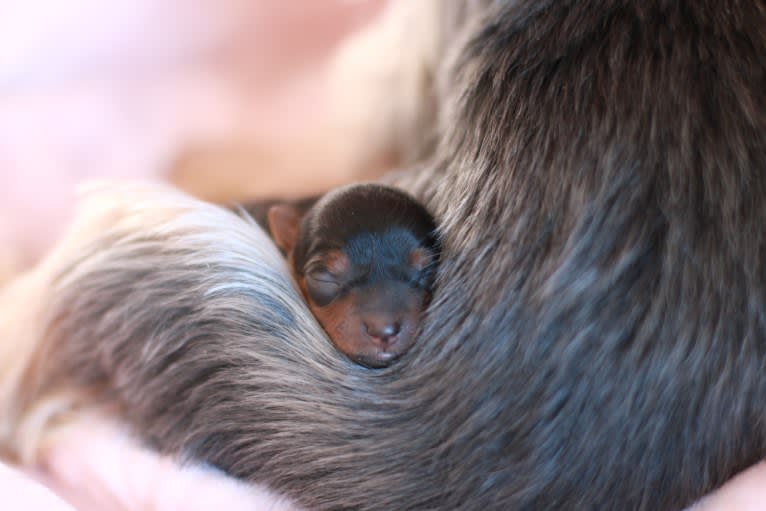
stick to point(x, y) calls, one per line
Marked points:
point(368, 221)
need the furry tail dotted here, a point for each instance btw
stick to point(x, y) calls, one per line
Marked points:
point(31, 402)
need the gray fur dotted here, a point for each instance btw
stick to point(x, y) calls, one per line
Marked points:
point(597, 338)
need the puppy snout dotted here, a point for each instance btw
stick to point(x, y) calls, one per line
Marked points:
point(383, 329)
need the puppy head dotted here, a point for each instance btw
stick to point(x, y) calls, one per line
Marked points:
point(364, 257)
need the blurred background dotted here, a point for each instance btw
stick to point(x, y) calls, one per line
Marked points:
point(125, 88)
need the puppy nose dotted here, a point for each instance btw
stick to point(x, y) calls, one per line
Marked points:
point(382, 328)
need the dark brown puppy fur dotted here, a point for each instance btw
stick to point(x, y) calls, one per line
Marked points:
point(598, 335)
point(364, 257)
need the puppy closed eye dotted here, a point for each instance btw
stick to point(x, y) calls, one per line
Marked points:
point(325, 275)
point(422, 264)
point(322, 287)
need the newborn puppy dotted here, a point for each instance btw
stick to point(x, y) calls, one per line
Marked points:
point(364, 257)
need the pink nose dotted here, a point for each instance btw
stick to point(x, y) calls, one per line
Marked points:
point(384, 329)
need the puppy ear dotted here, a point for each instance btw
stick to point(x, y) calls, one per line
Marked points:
point(284, 221)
